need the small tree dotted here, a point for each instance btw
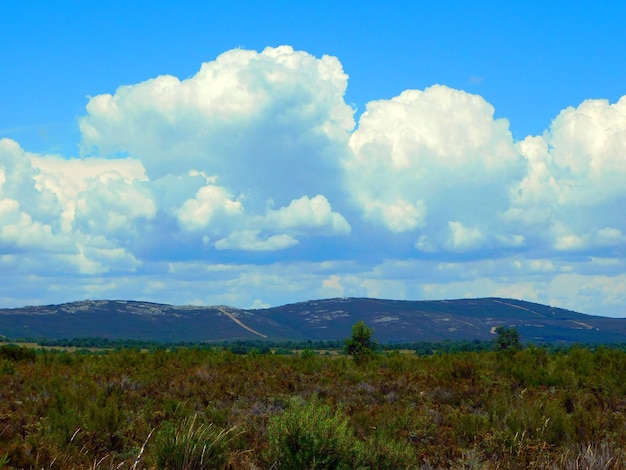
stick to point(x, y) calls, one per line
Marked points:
point(507, 339)
point(361, 345)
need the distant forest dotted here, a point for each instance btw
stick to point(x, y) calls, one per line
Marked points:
point(422, 348)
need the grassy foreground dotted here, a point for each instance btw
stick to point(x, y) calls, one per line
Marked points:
point(193, 408)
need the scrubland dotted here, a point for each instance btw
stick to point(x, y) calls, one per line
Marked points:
point(211, 408)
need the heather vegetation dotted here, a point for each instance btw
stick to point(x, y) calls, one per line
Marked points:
point(188, 408)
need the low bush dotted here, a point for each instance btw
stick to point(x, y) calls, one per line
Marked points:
point(311, 435)
point(17, 353)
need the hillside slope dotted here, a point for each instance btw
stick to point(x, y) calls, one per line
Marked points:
point(392, 320)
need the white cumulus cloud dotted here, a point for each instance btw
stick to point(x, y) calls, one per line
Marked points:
point(464, 238)
point(269, 125)
point(210, 201)
point(573, 195)
point(425, 159)
point(310, 215)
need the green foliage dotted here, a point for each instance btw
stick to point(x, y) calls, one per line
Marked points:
point(307, 354)
point(423, 348)
point(7, 367)
point(13, 352)
point(533, 408)
point(104, 414)
point(192, 446)
point(382, 452)
point(360, 345)
point(507, 339)
point(311, 435)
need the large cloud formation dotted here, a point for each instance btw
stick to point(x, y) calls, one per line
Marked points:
point(435, 162)
point(251, 182)
point(573, 194)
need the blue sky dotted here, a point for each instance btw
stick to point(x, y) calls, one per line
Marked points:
point(259, 153)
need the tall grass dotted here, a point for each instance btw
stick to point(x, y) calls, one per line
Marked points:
point(597, 456)
point(192, 446)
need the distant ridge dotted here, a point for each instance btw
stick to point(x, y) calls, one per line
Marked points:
point(327, 319)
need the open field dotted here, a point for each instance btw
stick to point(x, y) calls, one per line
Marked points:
point(154, 409)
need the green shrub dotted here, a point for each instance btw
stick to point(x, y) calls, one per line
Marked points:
point(307, 354)
point(192, 446)
point(17, 353)
point(311, 435)
point(6, 367)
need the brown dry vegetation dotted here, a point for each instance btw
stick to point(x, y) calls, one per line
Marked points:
point(136, 409)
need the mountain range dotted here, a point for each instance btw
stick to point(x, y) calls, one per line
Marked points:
point(328, 319)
